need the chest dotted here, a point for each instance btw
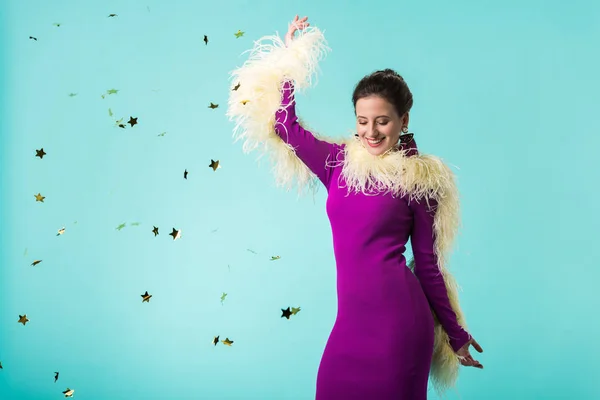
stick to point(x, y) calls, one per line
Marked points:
point(380, 213)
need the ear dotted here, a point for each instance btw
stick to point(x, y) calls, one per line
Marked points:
point(406, 118)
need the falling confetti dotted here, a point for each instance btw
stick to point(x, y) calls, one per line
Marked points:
point(251, 251)
point(132, 121)
point(39, 197)
point(72, 94)
point(55, 377)
point(23, 319)
point(155, 231)
point(236, 87)
point(214, 164)
point(135, 223)
point(286, 313)
point(61, 231)
point(213, 106)
point(69, 392)
point(110, 113)
point(185, 174)
point(120, 123)
point(112, 15)
point(146, 297)
point(205, 40)
point(295, 310)
point(176, 234)
point(227, 342)
point(239, 34)
point(40, 153)
point(215, 340)
point(109, 92)
point(33, 38)
point(57, 24)
point(121, 226)
point(162, 134)
point(1, 365)
point(273, 258)
point(244, 102)
point(36, 262)
point(223, 297)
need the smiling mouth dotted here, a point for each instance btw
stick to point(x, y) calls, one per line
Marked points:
point(374, 143)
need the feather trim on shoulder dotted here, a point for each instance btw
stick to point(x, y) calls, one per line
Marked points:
point(253, 104)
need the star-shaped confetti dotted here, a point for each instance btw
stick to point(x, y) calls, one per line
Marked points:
point(61, 231)
point(239, 34)
point(39, 197)
point(155, 231)
point(69, 392)
point(227, 342)
point(286, 313)
point(213, 106)
point(214, 164)
point(36, 262)
point(121, 226)
point(146, 297)
point(236, 87)
point(132, 121)
point(223, 297)
point(176, 234)
point(23, 319)
point(40, 153)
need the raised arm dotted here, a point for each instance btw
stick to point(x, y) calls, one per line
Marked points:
point(428, 272)
point(313, 152)
point(265, 118)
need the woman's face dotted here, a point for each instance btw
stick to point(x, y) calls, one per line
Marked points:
point(378, 125)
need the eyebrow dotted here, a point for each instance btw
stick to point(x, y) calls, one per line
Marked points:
point(379, 116)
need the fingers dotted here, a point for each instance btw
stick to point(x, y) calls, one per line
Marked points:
point(469, 361)
point(476, 346)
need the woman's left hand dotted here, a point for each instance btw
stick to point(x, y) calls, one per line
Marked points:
point(468, 360)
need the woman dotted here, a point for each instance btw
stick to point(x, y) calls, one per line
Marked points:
point(397, 322)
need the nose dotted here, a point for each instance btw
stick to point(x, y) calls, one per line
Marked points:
point(371, 132)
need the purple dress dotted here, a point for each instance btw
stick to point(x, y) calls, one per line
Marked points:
point(381, 344)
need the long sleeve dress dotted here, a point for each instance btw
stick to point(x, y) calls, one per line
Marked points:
point(382, 341)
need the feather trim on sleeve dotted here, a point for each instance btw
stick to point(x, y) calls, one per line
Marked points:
point(429, 176)
point(254, 103)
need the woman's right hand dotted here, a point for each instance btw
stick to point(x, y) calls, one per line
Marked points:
point(295, 25)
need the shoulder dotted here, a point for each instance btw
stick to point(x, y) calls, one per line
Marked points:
point(429, 176)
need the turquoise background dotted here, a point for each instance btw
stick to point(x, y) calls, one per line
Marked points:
point(506, 91)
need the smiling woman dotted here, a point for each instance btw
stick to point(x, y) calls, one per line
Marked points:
point(398, 321)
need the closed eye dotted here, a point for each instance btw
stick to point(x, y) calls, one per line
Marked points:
point(380, 123)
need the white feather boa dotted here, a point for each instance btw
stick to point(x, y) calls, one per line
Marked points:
point(253, 106)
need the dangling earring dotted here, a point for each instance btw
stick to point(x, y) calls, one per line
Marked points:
point(405, 129)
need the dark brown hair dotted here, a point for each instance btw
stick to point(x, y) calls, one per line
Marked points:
point(387, 84)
